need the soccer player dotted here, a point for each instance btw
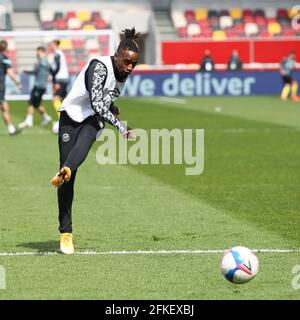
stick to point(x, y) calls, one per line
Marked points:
point(83, 114)
point(60, 75)
point(207, 64)
point(290, 84)
point(6, 68)
point(235, 62)
point(41, 72)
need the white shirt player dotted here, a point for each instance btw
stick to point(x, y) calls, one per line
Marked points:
point(83, 101)
point(59, 64)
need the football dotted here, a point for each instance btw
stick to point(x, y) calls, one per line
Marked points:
point(55, 127)
point(239, 265)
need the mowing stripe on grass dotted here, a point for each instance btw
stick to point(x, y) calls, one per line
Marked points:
point(141, 252)
point(209, 130)
point(173, 100)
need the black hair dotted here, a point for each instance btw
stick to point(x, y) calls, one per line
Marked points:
point(56, 42)
point(128, 41)
point(41, 49)
point(3, 45)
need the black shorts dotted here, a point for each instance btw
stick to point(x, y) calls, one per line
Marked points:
point(62, 90)
point(287, 79)
point(36, 97)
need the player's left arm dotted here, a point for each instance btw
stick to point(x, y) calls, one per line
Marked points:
point(54, 71)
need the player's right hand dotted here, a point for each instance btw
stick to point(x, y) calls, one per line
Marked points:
point(129, 135)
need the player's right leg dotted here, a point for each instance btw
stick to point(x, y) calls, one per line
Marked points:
point(75, 141)
point(285, 91)
point(28, 122)
point(12, 130)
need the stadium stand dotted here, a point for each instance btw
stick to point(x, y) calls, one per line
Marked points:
point(96, 15)
point(74, 20)
point(200, 19)
point(6, 9)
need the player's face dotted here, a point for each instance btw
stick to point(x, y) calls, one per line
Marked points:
point(52, 46)
point(40, 53)
point(126, 61)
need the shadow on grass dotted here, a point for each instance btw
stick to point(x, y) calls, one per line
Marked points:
point(41, 246)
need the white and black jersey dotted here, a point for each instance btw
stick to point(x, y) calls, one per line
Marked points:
point(93, 92)
point(59, 67)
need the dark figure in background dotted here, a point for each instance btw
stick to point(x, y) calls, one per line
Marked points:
point(207, 64)
point(235, 62)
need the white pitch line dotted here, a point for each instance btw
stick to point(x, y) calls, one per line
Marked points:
point(141, 252)
point(173, 100)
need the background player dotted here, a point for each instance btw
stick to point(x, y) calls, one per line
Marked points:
point(6, 68)
point(98, 84)
point(60, 75)
point(41, 72)
point(290, 84)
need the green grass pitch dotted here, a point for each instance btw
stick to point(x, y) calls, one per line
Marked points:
point(247, 195)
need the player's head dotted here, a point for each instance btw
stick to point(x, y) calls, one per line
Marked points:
point(127, 54)
point(235, 53)
point(40, 52)
point(3, 46)
point(54, 44)
point(207, 53)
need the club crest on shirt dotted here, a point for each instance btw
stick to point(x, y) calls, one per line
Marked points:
point(65, 137)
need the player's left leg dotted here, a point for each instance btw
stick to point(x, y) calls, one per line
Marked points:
point(67, 137)
point(28, 122)
point(59, 93)
point(46, 119)
point(294, 89)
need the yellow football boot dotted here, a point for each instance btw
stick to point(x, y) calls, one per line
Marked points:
point(66, 243)
point(64, 175)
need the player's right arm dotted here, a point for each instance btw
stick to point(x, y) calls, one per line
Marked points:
point(10, 71)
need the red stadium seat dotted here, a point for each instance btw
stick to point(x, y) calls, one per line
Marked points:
point(260, 21)
point(282, 13)
point(70, 14)
point(101, 24)
point(247, 13)
point(190, 15)
point(60, 24)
